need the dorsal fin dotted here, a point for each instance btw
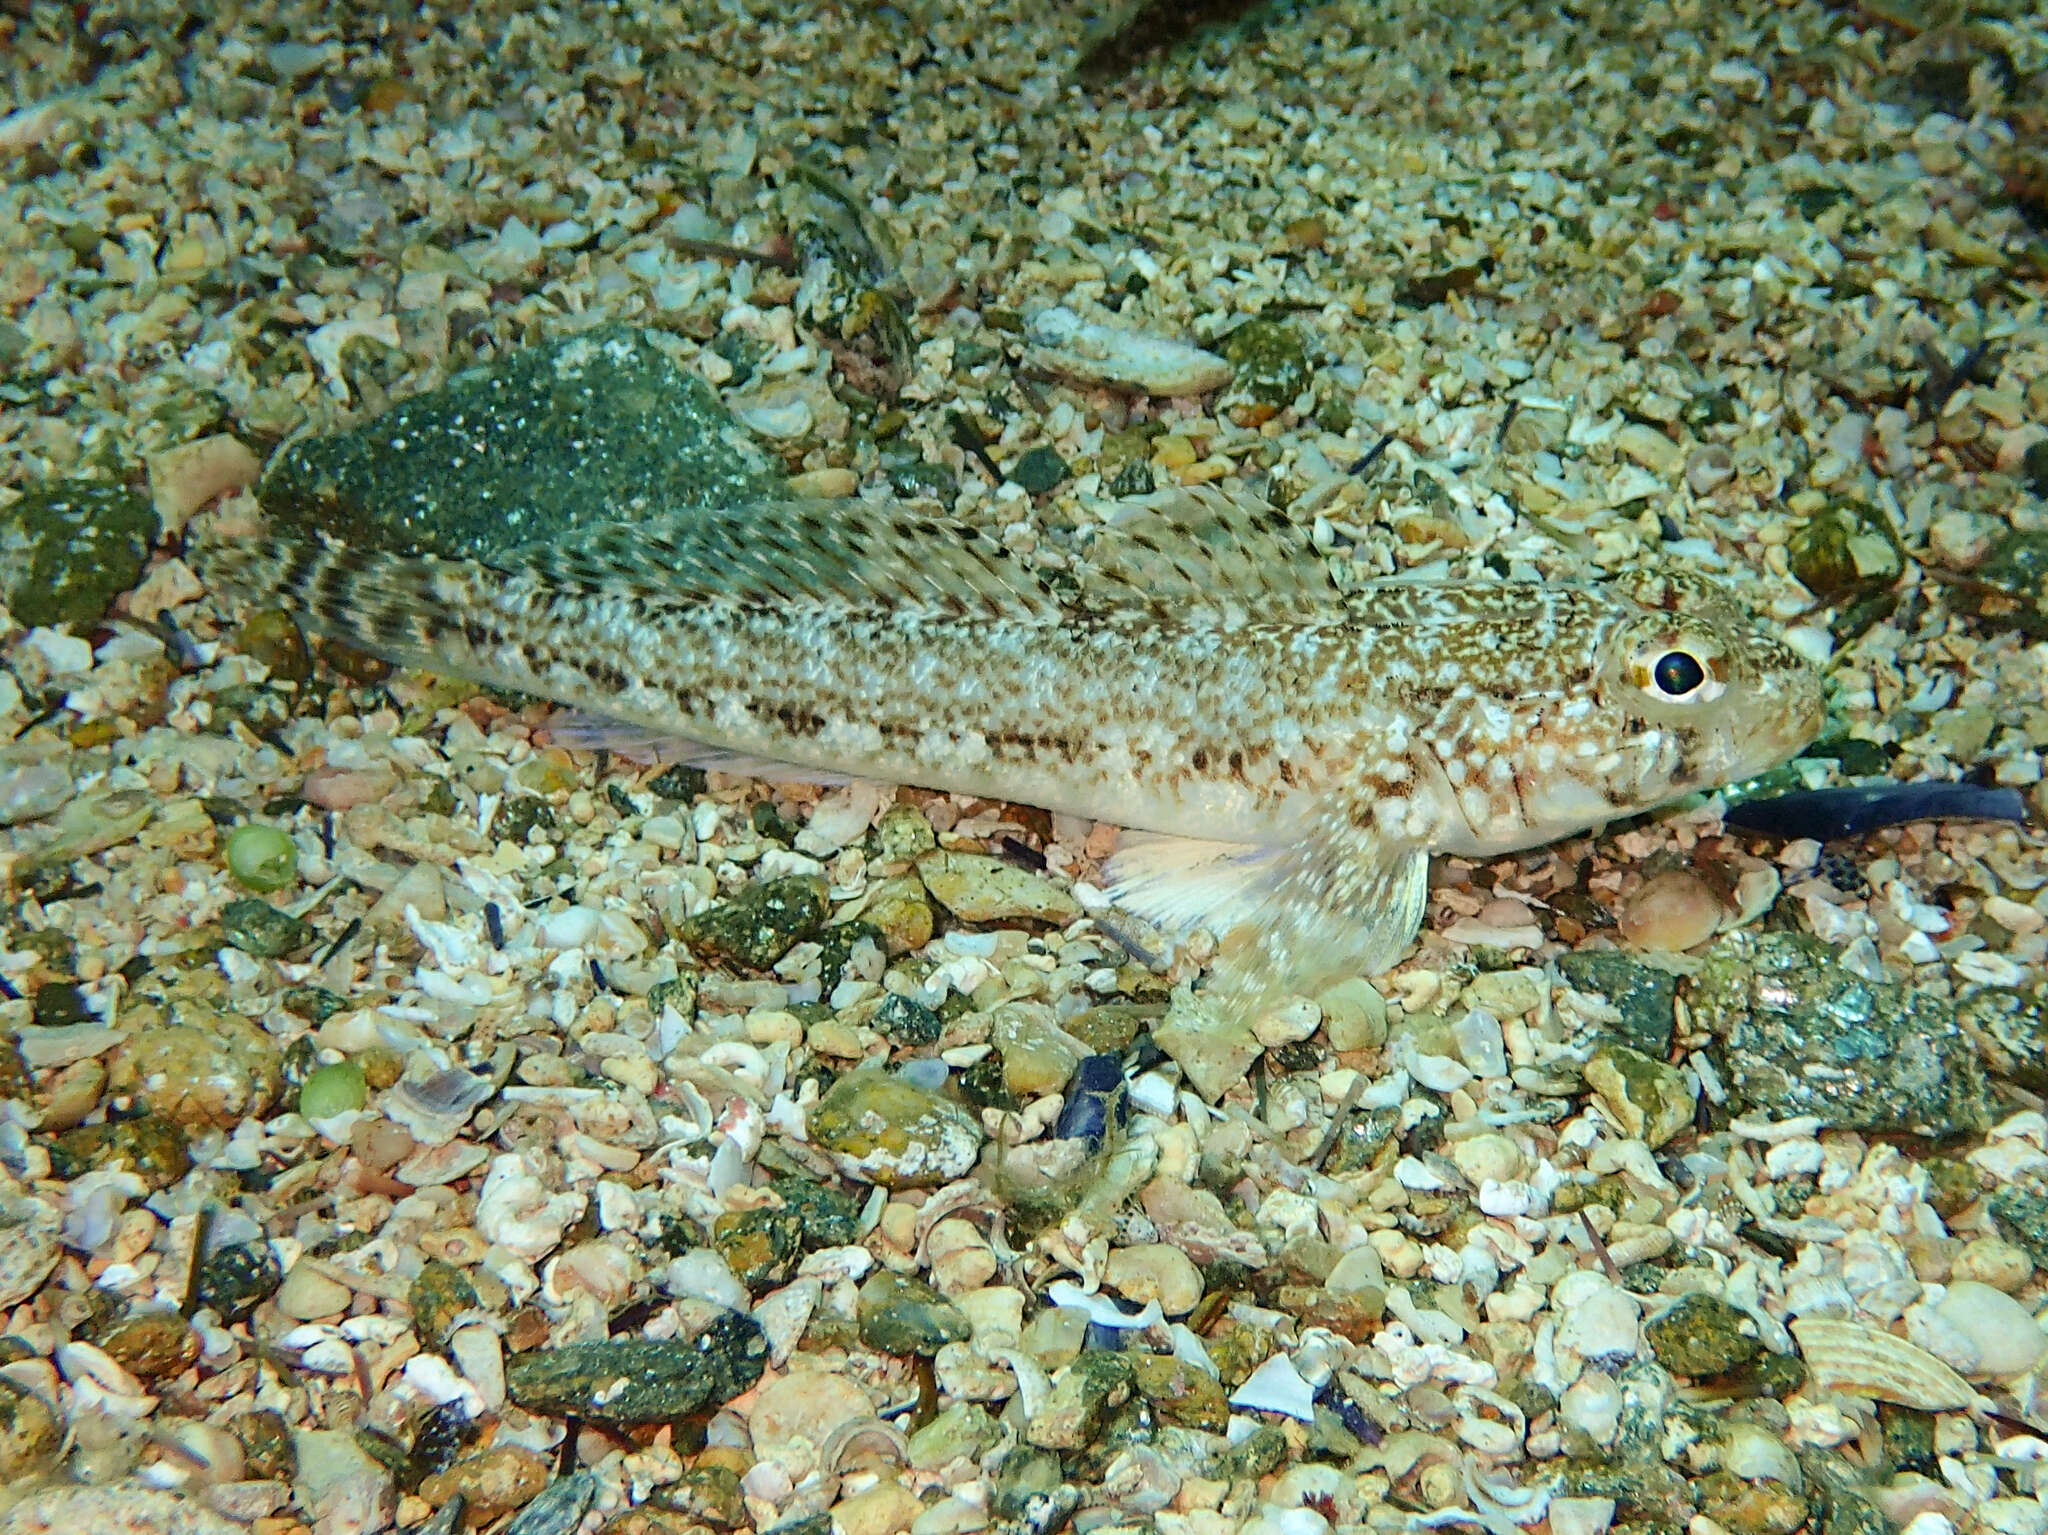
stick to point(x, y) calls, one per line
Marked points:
point(1196, 549)
point(840, 554)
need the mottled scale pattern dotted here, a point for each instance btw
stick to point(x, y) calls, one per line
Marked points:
point(1198, 674)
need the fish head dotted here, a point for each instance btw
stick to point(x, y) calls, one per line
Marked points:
point(1694, 696)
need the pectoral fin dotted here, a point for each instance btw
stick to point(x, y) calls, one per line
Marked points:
point(1287, 920)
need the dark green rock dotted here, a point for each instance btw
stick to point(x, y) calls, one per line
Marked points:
point(314, 1002)
point(1039, 471)
point(1908, 1439)
point(901, 1315)
point(836, 945)
point(2023, 1220)
point(1775, 1376)
point(235, 1280)
point(1702, 1336)
point(438, 1440)
point(1645, 1492)
point(1952, 1185)
point(60, 1002)
point(2017, 1023)
point(2010, 589)
point(561, 1505)
point(759, 1246)
point(71, 547)
point(1133, 479)
point(272, 636)
point(1839, 1507)
point(907, 1021)
point(1026, 1477)
point(762, 923)
point(15, 1079)
point(440, 1294)
point(641, 1380)
point(1259, 1453)
point(520, 816)
point(2034, 465)
point(829, 1218)
point(256, 927)
point(1181, 1393)
point(1083, 1396)
point(705, 1495)
point(269, 1453)
point(1845, 550)
point(679, 783)
point(1796, 1033)
point(1645, 997)
point(151, 1147)
point(1270, 361)
point(588, 429)
point(680, 994)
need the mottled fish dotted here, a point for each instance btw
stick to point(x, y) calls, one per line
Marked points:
point(1295, 751)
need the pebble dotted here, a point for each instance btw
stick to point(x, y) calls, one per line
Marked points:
point(1669, 913)
point(1094, 353)
point(152, 1344)
point(1702, 1336)
point(887, 1508)
point(1596, 1320)
point(1155, 1271)
point(1354, 1016)
point(496, 1482)
point(198, 1073)
point(184, 478)
point(641, 1380)
point(1649, 1098)
point(795, 1414)
point(307, 1295)
point(882, 1129)
point(30, 1244)
point(29, 790)
point(1993, 1261)
point(30, 1433)
point(126, 1509)
point(977, 888)
point(902, 1315)
point(1581, 1516)
point(2001, 1336)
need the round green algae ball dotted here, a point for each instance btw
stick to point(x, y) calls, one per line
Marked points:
point(262, 858)
point(331, 1090)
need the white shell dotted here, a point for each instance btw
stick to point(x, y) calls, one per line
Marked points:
point(1872, 1362)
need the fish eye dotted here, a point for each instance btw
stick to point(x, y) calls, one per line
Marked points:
point(1677, 673)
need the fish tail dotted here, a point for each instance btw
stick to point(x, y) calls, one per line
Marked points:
point(413, 610)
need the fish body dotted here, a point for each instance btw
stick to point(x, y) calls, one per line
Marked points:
point(1294, 751)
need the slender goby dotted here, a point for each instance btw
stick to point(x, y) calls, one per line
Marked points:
point(1297, 750)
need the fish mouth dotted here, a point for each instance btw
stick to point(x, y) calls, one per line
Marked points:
point(1785, 717)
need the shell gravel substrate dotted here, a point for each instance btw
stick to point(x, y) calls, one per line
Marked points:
point(423, 1110)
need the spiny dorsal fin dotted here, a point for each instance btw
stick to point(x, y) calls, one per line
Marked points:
point(856, 555)
point(1211, 552)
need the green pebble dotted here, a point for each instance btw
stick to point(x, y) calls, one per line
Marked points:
point(262, 858)
point(331, 1090)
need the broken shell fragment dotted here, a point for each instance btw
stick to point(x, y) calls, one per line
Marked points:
point(1869, 1361)
point(1075, 348)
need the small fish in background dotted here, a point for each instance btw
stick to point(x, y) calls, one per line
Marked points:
point(1826, 815)
point(1286, 754)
